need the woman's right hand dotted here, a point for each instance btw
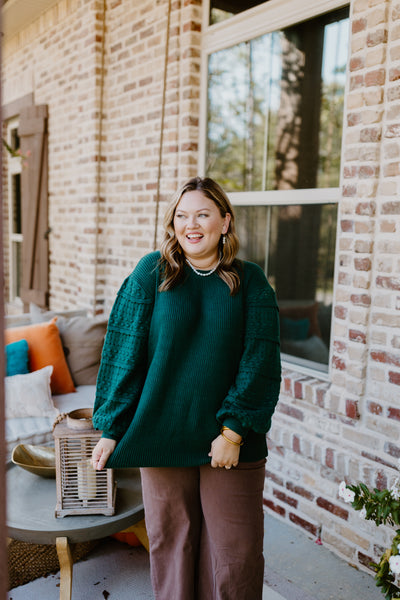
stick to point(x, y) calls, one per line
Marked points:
point(101, 452)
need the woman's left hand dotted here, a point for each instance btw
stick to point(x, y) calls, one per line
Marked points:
point(223, 453)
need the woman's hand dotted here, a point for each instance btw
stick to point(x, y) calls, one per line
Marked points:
point(224, 453)
point(101, 452)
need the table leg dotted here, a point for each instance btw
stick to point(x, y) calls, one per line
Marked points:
point(66, 565)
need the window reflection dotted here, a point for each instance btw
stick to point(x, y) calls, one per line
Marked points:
point(295, 245)
point(275, 108)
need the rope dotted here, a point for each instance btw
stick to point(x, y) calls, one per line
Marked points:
point(162, 127)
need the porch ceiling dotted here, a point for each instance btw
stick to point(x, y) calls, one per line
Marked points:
point(17, 14)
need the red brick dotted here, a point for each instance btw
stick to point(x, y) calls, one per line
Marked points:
point(377, 37)
point(330, 458)
point(349, 190)
point(381, 481)
point(340, 312)
point(367, 171)
point(358, 25)
point(360, 299)
point(394, 413)
point(362, 264)
point(298, 390)
point(375, 77)
point(392, 449)
point(296, 444)
point(336, 510)
point(347, 225)
point(352, 409)
point(357, 62)
point(388, 283)
point(357, 336)
point(274, 507)
point(291, 411)
point(386, 357)
point(375, 408)
point(377, 459)
point(353, 119)
point(285, 498)
point(394, 377)
point(366, 560)
point(300, 491)
point(339, 346)
point(273, 477)
point(287, 384)
point(391, 208)
point(350, 172)
point(367, 209)
point(313, 529)
point(394, 74)
point(356, 82)
point(371, 134)
point(338, 363)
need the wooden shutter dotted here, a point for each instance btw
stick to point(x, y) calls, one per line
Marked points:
point(32, 131)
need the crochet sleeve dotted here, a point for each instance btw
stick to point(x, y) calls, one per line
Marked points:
point(251, 400)
point(124, 360)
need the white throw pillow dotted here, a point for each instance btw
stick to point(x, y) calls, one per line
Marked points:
point(30, 395)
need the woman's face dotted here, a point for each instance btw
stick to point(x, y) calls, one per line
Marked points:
point(198, 227)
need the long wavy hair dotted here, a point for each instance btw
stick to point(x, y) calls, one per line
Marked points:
point(172, 256)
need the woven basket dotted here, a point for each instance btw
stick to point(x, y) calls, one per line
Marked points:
point(27, 562)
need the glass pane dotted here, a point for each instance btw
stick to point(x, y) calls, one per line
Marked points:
point(275, 108)
point(16, 251)
point(16, 204)
point(300, 267)
point(14, 138)
point(223, 9)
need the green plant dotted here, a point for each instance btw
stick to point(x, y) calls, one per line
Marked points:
point(382, 507)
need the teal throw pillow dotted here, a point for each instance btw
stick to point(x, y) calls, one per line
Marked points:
point(294, 329)
point(17, 361)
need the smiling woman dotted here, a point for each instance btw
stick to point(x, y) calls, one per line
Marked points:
point(198, 227)
point(188, 383)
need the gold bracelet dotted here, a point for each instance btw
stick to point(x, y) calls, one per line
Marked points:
point(229, 440)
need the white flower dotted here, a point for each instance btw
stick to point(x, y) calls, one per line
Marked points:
point(363, 513)
point(394, 564)
point(395, 490)
point(342, 489)
point(348, 496)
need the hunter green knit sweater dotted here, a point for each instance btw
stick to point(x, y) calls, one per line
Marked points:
point(177, 365)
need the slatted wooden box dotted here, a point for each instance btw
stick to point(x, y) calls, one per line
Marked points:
point(81, 490)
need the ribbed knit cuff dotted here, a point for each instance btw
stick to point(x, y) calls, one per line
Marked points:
point(236, 426)
point(109, 435)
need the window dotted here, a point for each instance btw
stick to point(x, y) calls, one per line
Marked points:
point(14, 212)
point(273, 140)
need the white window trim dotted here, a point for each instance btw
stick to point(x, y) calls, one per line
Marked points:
point(14, 168)
point(265, 18)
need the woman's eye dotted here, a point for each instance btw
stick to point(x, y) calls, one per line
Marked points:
point(203, 215)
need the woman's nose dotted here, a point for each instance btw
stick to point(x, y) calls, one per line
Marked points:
point(192, 221)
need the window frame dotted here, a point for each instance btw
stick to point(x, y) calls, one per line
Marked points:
point(266, 18)
point(14, 167)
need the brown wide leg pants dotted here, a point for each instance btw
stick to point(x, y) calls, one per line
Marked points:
point(205, 528)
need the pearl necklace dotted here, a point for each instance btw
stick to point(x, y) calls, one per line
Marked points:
point(199, 272)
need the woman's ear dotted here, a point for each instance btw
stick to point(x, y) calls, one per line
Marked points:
point(227, 220)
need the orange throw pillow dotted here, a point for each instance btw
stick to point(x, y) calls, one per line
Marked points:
point(45, 348)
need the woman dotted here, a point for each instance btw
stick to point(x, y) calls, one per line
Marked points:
point(186, 390)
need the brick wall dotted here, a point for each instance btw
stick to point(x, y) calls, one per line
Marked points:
point(348, 428)
point(100, 230)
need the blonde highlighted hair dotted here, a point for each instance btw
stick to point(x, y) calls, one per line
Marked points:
point(172, 257)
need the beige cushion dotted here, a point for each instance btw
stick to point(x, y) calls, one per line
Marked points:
point(29, 395)
point(82, 339)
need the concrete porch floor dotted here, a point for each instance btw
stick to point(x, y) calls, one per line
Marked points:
point(296, 569)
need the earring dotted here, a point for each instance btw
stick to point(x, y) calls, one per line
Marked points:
point(224, 239)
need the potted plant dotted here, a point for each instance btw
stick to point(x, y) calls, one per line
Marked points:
point(382, 507)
